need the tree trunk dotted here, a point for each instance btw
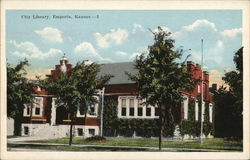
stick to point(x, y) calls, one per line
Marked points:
point(17, 126)
point(71, 129)
point(160, 128)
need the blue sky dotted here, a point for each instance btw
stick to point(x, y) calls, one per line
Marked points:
point(118, 36)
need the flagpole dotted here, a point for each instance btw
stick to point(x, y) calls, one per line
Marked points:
point(102, 107)
point(201, 92)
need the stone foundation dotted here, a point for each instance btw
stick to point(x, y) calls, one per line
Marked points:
point(58, 131)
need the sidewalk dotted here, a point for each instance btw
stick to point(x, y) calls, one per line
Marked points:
point(108, 146)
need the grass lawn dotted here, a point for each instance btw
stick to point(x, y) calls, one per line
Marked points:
point(210, 144)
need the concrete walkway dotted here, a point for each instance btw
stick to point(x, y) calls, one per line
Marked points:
point(106, 146)
point(25, 141)
point(23, 138)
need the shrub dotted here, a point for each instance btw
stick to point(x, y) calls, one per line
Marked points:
point(95, 139)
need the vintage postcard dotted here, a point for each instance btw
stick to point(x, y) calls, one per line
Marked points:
point(124, 79)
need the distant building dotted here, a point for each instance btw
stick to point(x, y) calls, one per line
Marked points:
point(44, 119)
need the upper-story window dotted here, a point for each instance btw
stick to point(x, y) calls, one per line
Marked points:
point(199, 88)
point(27, 110)
point(38, 106)
point(91, 110)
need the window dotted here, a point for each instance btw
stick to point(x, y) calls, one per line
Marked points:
point(38, 106)
point(185, 105)
point(26, 130)
point(131, 103)
point(80, 131)
point(123, 102)
point(37, 111)
point(131, 111)
point(123, 107)
point(196, 110)
point(131, 107)
point(26, 111)
point(140, 111)
point(123, 111)
point(81, 111)
point(92, 109)
point(140, 108)
point(91, 132)
point(157, 113)
point(148, 111)
point(199, 89)
point(210, 113)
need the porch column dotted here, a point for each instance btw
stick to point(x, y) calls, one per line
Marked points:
point(53, 112)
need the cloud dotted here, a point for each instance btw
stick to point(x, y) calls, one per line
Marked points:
point(136, 28)
point(200, 23)
point(50, 34)
point(87, 49)
point(29, 50)
point(219, 44)
point(134, 55)
point(231, 33)
point(120, 53)
point(117, 37)
point(201, 27)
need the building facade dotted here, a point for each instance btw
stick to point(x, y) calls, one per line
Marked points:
point(43, 117)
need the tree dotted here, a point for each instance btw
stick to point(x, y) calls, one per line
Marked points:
point(229, 102)
point(19, 93)
point(76, 89)
point(161, 79)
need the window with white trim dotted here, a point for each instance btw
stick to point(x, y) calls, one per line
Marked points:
point(131, 107)
point(80, 112)
point(199, 88)
point(123, 106)
point(27, 110)
point(38, 106)
point(148, 111)
point(140, 109)
point(91, 132)
point(185, 104)
point(80, 131)
point(203, 111)
point(210, 113)
point(196, 110)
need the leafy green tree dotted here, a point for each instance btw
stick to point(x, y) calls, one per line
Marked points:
point(161, 78)
point(19, 93)
point(229, 102)
point(76, 89)
point(110, 119)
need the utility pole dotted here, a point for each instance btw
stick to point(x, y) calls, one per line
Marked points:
point(201, 92)
point(102, 107)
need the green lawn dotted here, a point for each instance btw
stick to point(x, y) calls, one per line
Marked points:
point(210, 144)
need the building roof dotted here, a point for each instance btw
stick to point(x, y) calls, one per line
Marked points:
point(118, 70)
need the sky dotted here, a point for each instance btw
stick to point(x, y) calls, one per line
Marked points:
point(110, 36)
